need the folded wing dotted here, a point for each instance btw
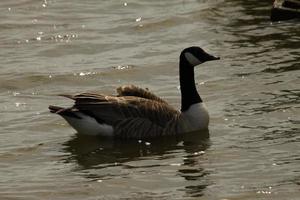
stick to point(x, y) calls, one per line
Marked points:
point(132, 90)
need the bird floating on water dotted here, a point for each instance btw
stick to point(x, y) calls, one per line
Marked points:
point(137, 113)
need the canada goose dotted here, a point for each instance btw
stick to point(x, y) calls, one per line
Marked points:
point(137, 113)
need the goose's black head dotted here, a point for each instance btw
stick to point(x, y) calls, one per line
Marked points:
point(195, 56)
point(189, 58)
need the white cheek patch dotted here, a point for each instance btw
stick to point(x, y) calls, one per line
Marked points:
point(192, 59)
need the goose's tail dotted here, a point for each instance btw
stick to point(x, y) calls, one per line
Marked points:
point(65, 112)
point(82, 122)
point(55, 109)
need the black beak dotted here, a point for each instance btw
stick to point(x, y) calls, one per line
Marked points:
point(211, 57)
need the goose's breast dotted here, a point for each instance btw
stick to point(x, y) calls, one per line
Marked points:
point(196, 117)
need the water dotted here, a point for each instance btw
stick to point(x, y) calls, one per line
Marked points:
point(252, 93)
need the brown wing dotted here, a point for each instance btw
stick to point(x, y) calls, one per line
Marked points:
point(114, 110)
point(137, 128)
point(132, 90)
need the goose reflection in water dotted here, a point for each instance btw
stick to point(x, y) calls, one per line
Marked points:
point(104, 158)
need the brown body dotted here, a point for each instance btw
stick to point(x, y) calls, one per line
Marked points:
point(133, 113)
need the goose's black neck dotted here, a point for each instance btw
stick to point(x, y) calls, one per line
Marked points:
point(189, 94)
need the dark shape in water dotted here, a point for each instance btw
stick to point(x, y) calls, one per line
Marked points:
point(285, 10)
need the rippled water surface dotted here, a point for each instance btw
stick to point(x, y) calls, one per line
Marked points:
point(50, 47)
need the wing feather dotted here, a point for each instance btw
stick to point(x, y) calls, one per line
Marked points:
point(119, 108)
point(132, 90)
point(137, 128)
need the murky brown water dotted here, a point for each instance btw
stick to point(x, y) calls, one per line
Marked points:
point(50, 47)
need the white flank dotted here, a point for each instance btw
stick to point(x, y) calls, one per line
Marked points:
point(196, 117)
point(193, 60)
point(89, 126)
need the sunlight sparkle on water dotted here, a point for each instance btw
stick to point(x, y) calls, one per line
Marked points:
point(175, 164)
point(199, 153)
point(18, 104)
point(84, 73)
point(45, 4)
point(16, 93)
point(121, 67)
